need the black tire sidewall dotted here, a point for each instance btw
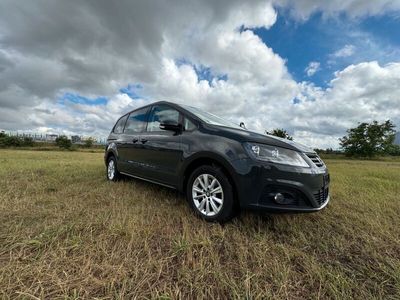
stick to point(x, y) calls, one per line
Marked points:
point(227, 211)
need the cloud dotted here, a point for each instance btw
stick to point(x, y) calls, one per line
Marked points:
point(362, 92)
point(346, 51)
point(91, 53)
point(73, 67)
point(312, 68)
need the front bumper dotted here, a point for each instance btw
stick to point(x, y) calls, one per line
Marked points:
point(282, 208)
point(307, 189)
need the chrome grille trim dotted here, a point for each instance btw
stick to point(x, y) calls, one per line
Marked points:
point(322, 195)
point(315, 159)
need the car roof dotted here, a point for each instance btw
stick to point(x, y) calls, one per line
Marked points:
point(157, 103)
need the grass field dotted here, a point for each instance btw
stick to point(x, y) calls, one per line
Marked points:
point(68, 233)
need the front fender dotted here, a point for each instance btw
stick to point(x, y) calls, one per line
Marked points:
point(205, 155)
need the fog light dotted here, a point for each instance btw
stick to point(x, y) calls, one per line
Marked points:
point(284, 199)
point(279, 198)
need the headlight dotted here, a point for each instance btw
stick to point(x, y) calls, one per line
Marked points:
point(275, 154)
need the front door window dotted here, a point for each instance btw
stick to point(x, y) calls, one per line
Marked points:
point(160, 114)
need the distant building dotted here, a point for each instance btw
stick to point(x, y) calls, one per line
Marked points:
point(397, 139)
point(51, 137)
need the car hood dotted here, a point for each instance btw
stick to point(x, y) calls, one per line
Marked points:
point(244, 135)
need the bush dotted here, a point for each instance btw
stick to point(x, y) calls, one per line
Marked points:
point(28, 141)
point(63, 142)
point(394, 150)
point(15, 141)
point(89, 142)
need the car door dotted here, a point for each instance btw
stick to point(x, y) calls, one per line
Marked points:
point(163, 151)
point(130, 149)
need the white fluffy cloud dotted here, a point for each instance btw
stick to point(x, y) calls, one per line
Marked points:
point(312, 68)
point(347, 50)
point(94, 49)
point(362, 92)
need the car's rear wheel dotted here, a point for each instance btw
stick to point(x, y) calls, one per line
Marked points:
point(210, 194)
point(112, 171)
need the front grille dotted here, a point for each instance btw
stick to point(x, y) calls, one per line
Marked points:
point(321, 196)
point(315, 159)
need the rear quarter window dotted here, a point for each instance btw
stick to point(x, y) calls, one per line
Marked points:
point(136, 121)
point(119, 126)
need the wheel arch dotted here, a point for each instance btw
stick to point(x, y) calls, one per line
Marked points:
point(207, 159)
point(111, 150)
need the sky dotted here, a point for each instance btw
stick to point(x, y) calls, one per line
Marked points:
point(314, 68)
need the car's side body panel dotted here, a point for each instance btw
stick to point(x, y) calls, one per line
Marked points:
point(163, 155)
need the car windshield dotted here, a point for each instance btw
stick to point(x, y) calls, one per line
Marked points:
point(210, 118)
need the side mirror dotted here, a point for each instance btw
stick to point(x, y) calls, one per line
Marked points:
point(170, 125)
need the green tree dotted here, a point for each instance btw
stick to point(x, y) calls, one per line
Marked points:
point(369, 139)
point(282, 133)
point(394, 150)
point(89, 142)
point(27, 141)
point(63, 142)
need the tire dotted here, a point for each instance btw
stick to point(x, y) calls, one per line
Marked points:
point(210, 194)
point(112, 173)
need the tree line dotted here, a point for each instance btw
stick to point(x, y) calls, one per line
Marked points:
point(365, 140)
point(15, 141)
point(63, 142)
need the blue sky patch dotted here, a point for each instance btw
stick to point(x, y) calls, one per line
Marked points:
point(296, 101)
point(205, 73)
point(75, 98)
point(333, 42)
point(132, 90)
point(202, 72)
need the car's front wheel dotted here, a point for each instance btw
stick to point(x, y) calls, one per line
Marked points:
point(210, 194)
point(112, 171)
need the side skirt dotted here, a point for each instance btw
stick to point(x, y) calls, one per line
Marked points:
point(149, 180)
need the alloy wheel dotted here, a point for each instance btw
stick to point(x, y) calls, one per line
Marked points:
point(208, 195)
point(111, 169)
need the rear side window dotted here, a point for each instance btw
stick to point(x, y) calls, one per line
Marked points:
point(119, 126)
point(159, 114)
point(136, 121)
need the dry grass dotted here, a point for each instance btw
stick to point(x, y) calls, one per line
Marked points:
point(68, 233)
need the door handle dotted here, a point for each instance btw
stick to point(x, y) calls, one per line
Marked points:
point(144, 141)
point(135, 140)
